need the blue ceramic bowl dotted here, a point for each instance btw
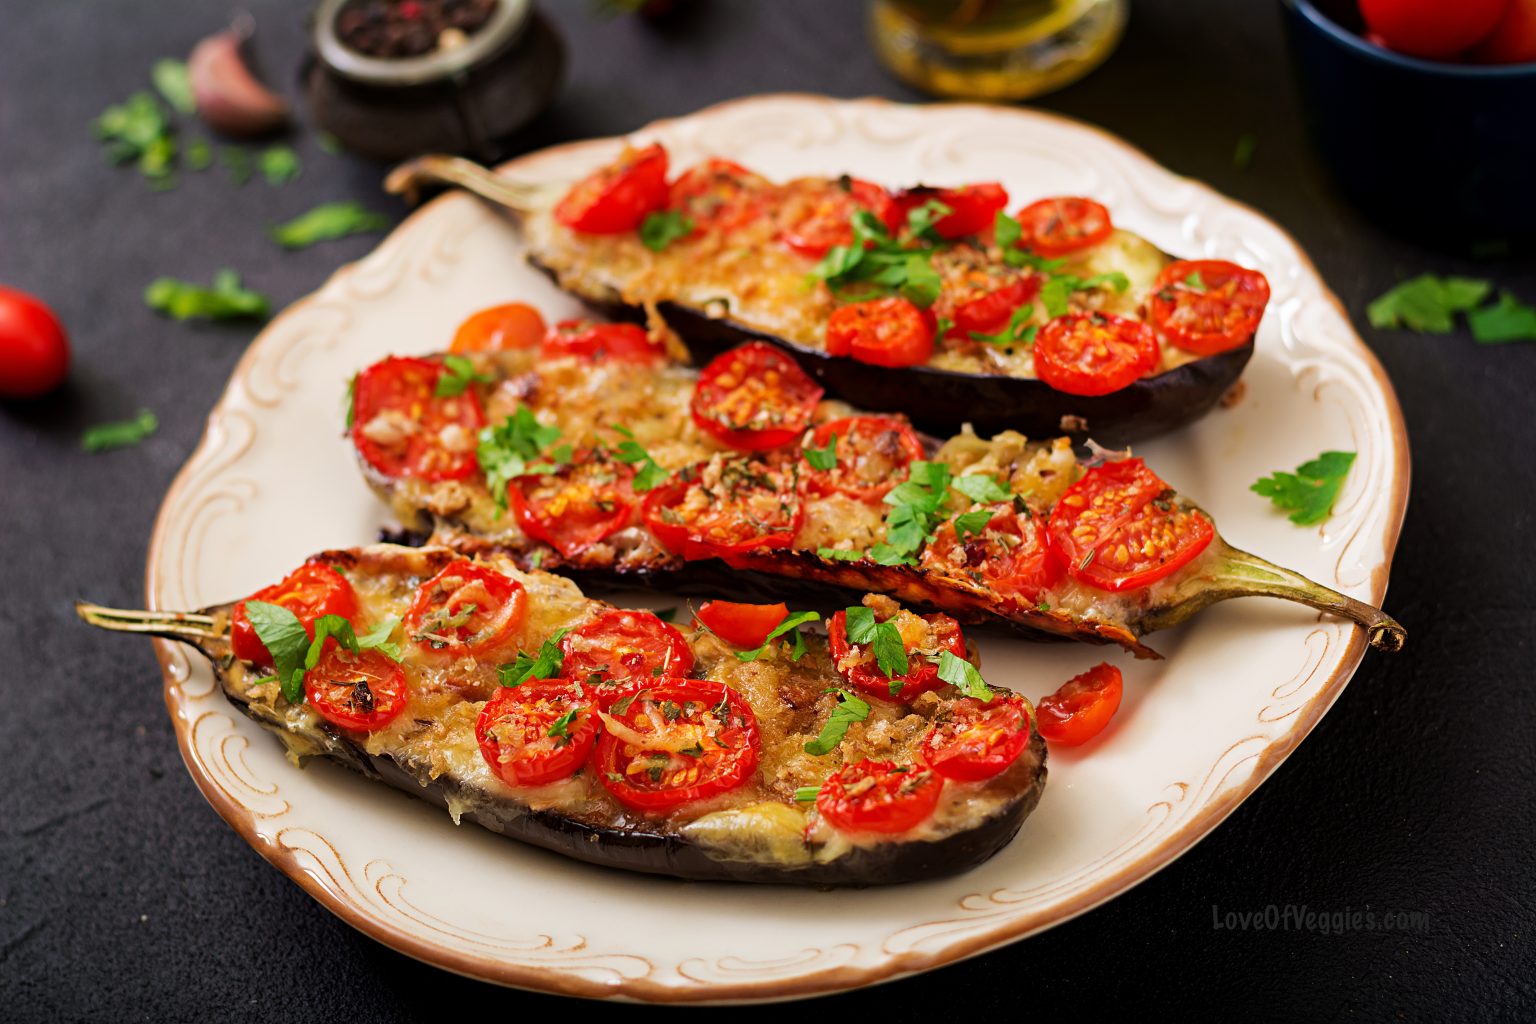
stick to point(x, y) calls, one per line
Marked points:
point(1445, 152)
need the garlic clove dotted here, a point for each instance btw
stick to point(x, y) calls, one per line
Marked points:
point(230, 98)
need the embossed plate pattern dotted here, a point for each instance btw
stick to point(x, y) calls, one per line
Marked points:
point(273, 481)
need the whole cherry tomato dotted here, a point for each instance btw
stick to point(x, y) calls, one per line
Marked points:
point(34, 350)
point(1432, 28)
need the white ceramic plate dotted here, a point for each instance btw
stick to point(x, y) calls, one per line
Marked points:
point(273, 481)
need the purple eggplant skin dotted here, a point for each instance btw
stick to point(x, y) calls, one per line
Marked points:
point(943, 401)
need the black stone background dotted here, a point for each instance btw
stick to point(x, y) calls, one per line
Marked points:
point(124, 897)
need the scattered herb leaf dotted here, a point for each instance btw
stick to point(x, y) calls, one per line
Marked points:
point(664, 227)
point(326, 222)
point(971, 524)
point(849, 709)
point(544, 665)
point(1509, 319)
point(963, 674)
point(226, 300)
point(823, 458)
point(458, 374)
point(104, 437)
point(792, 621)
point(1311, 490)
point(1427, 303)
point(513, 448)
point(279, 164)
point(175, 84)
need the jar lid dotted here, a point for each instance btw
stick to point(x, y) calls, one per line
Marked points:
point(505, 24)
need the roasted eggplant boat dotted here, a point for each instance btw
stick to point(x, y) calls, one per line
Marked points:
point(615, 738)
point(933, 302)
point(595, 456)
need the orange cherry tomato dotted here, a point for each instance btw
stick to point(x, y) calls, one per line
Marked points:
point(1063, 224)
point(1094, 353)
point(466, 609)
point(1081, 709)
point(403, 429)
point(619, 645)
point(754, 397)
point(511, 326)
point(745, 625)
point(858, 665)
point(879, 796)
point(537, 733)
point(581, 503)
point(598, 342)
point(979, 739)
point(816, 215)
point(881, 332)
point(872, 452)
point(618, 197)
point(719, 195)
point(1207, 306)
point(310, 591)
point(363, 692)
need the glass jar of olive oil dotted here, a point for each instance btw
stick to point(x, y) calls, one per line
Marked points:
point(994, 49)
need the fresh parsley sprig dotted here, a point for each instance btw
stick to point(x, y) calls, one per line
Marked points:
point(226, 300)
point(791, 622)
point(822, 458)
point(971, 524)
point(664, 227)
point(104, 437)
point(876, 264)
point(884, 639)
point(294, 653)
point(651, 473)
point(326, 222)
point(515, 447)
point(917, 507)
point(544, 665)
point(961, 673)
point(1311, 490)
point(849, 709)
point(458, 374)
point(1019, 330)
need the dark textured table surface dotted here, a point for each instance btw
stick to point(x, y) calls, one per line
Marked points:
point(124, 897)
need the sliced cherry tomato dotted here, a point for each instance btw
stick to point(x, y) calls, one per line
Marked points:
point(719, 195)
point(584, 501)
point(1432, 28)
point(923, 636)
point(881, 332)
point(466, 609)
point(818, 215)
point(726, 507)
point(873, 453)
point(745, 625)
point(618, 645)
point(310, 591)
point(973, 208)
point(879, 796)
point(986, 300)
point(364, 691)
point(617, 198)
point(1094, 353)
point(979, 739)
point(1121, 528)
point(1010, 555)
point(1054, 227)
point(537, 733)
point(1207, 306)
point(754, 397)
point(34, 350)
point(587, 339)
point(1083, 706)
point(404, 430)
point(675, 742)
point(500, 328)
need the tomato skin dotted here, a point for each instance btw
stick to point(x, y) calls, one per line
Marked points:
point(565, 509)
point(720, 527)
point(500, 603)
point(922, 674)
point(980, 739)
point(881, 332)
point(1081, 708)
point(1432, 28)
point(744, 625)
point(404, 389)
point(816, 216)
point(988, 305)
point(900, 799)
point(621, 644)
point(310, 591)
point(1118, 528)
point(973, 208)
point(618, 197)
point(598, 342)
point(332, 688)
point(718, 195)
point(501, 328)
point(1011, 554)
point(34, 350)
point(529, 711)
point(1220, 317)
point(881, 447)
point(1513, 39)
point(754, 398)
point(1063, 224)
point(726, 762)
point(1094, 353)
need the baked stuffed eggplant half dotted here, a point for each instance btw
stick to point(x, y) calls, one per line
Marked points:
point(934, 302)
point(595, 456)
point(615, 738)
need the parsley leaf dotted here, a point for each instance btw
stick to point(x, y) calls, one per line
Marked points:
point(963, 674)
point(876, 264)
point(921, 220)
point(458, 374)
point(792, 621)
point(664, 227)
point(560, 728)
point(237, 162)
point(889, 649)
point(1311, 490)
point(544, 665)
point(839, 554)
point(512, 448)
point(651, 473)
point(279, 164)
point(1018, 332)
point(850, 709)
point(1427, 303)
point(1507, 320)
point(104, 437)
point(326, 222)
point(175, 84)
point(285, 639)
point(1056, 292)
point(807, 794)
point(1194, 282)
point(226, 300)
point(137, 129)
point(971, 524)
point(823, 458)
point(916, 508)
point(378, 637)
point(981, 488)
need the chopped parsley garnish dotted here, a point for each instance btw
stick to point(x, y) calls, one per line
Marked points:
point(807, 794)
point(279, 164)
point(199, 155)
point(1194, 282)
point(560, 728)
point(792, 621)
point(175, 84)
point(1018, 332)
point(513, 448)
point(237, 163)
point(294, 653)
point(823, 458)
point(971, 524)
point(963, 674)
point(840, 555)
point(1056, 292)
point(1310, 491)
point(980, 487)
point(458, 374)
point(1242, 153)
point(326, 222)
point(226, 300)
point(1507, 320)
point(661, 229)
point(1007, 232)
point(885, 640)
point(876, 264)
point(104, 437)
point(138, 129)
point(917, 507)
point(1428, 303)
point(544, 665)
point(850, 709)
point(651, 473)
point(921, 220)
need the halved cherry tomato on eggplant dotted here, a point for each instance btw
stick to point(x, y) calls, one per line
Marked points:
point(537, 733)
point(973, 208)
point(745, 625)
point(620, 644)
point(676, 742)
point(404, 429)
point(1063, 224)
point(1081, 708)
point(500, 328)
point(1207, 306)
point(879, 796)
point(466, 609)
point(1121, 528)
point(1432, 28)
point(363, 691)
point(924, 637)
point(881, 332)
point(1010, 555)
point(873, 453)
point(817, 215)
point(310, 591)
point(984, 302)
point(754, 397)
point(979, 739)
point(34, 350)
point(599, 342)
point(581, 503)
point(726, 507)
point(617, 198)
point(1094, 353)
point(719, 195)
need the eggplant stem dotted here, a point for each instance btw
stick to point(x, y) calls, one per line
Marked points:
point(180, 625)
point(1239, 574)
point(440, 169)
